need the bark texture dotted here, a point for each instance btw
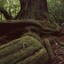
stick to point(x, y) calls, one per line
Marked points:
point(33, 9)
point(27, 25)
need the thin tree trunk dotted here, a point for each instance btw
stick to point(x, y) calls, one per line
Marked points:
point(6, 14)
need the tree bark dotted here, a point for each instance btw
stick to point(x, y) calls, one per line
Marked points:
point(27, 25)
point(33, 9)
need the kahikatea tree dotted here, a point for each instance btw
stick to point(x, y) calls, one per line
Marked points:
point(32, 9)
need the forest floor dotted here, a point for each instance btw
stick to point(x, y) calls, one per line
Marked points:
point(58, 51)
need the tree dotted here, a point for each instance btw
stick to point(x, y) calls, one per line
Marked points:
point(56, 12)
point(33, 16)
point(33, 9)
point(30, 9)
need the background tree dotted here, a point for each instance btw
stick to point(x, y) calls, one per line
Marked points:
point(11, 8)
point(56, 12)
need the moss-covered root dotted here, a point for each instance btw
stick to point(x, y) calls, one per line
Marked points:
point(9, 44)
point(32, 34)
point(48, 47)
point(20, 55)
point(39, 57)
point(11, 48)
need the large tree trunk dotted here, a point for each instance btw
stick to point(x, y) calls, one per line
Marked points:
point(30, 9)
point(33, 9)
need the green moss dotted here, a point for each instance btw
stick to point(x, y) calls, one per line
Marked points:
point(20, 55)
point(22, 49)
point(48, 47)
point(24, 42)
point(39, 57)
point(32, 34)
point(32, 45)
point(9, 44)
